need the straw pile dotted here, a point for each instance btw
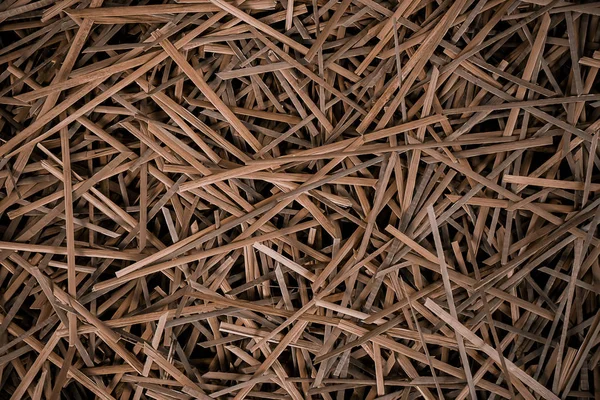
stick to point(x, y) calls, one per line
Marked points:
point(299, 199)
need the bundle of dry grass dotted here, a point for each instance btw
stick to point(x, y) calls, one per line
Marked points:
point(299, 199)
